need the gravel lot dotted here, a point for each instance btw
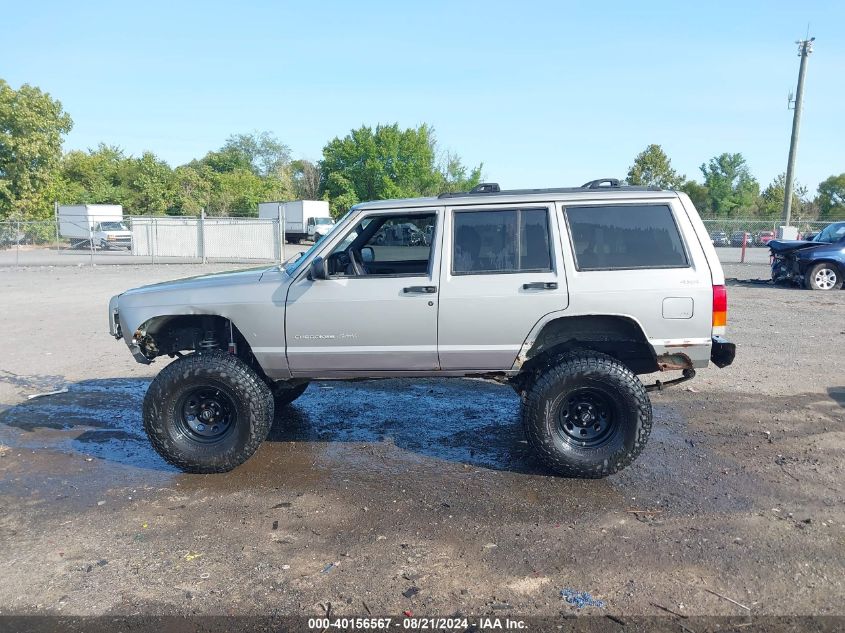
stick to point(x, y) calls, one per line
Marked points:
point(368, 490)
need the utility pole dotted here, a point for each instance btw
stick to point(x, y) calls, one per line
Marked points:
point(805, 47)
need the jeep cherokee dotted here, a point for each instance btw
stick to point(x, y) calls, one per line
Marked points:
point(567, 295)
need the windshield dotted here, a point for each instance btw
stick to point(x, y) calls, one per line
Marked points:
point(831, 233)
point(323, 221)
point(292, 265)
point(113, 226)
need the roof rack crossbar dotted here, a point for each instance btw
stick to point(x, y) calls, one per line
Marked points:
point(486, 187)
point(602, 182)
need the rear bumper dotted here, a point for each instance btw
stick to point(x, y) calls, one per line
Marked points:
point(722, 352)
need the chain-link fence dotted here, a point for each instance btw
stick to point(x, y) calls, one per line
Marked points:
point(76, 240)
point(732, 232)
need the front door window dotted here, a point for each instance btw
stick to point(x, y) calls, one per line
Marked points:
point(386, 245)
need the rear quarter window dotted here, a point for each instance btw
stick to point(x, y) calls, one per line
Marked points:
point(618, 237)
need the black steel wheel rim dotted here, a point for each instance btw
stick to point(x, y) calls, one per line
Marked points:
point(586, 417)
point(206, 414)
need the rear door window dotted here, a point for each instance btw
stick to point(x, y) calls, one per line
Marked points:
point(501, 241)
point(613, 237)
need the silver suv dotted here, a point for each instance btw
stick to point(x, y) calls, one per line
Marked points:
point(566, 294)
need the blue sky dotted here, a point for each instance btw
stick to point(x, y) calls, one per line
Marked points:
point(544, 93)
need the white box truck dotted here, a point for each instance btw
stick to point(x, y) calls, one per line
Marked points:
point(97, 225)
point(304, 219)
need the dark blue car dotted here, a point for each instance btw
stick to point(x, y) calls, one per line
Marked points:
point(818, 264)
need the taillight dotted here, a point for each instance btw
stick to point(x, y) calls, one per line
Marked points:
point(720, 306)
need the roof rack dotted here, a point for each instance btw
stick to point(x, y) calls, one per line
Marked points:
point(598, 184)
point(492, 188)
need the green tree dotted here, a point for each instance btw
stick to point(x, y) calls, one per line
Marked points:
point(93, 177)
point(771, 200)
point(305, 177)
point(652, 168)
point(456, 176)
point(262, 151)
point(699, 195)
point(192, 188)
point(149, 181)
point(32, 125)
point(831, 198)
point(223, 161)
point(386, 162)
point(237, 193)
point(731, 188)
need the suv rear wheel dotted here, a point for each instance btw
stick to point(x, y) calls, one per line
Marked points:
point(207, 412)
point(587, 416)
point(823, 276)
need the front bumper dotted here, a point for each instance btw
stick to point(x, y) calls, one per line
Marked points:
point(722, 352)
point(786, 268)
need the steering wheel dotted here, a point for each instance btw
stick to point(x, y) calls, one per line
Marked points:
point(355, 265)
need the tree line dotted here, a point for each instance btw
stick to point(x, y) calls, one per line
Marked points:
point(729, 190)
point(369, 163)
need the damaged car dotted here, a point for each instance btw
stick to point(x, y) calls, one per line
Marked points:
point(817, 264)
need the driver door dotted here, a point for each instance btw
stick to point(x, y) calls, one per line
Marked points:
point(377, 311)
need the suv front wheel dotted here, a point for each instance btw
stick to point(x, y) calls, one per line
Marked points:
point(207, 412)
point(587, 416)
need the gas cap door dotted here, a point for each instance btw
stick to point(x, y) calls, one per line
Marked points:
point(678, 308)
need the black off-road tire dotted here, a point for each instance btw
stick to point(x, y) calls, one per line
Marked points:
point(563, 393)
point(246, 397)
point(283, 394)
point(823, 276)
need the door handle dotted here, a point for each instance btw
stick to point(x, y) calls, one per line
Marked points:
point(540, 285)
point(420, 290)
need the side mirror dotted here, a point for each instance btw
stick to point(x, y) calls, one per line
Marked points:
point(368, 255)
point(318, 269)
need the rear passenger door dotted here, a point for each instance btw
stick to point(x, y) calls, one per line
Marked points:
point(501, 272)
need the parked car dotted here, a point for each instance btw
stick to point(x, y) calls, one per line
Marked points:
point(763, 238)
point(498, 298)
point(720, 238)
point(818, 264)
point(737, 238)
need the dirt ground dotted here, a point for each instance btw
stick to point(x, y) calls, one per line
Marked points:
point(419, 495)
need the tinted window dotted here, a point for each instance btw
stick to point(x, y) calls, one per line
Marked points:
point(625, 236)
point(506, 241)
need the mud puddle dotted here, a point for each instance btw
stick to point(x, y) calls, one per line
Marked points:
point(443, 432)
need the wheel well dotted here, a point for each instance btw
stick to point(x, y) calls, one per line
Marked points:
point(837, 265)
point(173, 334)
point(619, 337)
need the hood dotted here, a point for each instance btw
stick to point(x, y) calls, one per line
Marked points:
point(785, 246)
point(202, 282)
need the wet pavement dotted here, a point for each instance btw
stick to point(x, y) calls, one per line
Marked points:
point(366, 490)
